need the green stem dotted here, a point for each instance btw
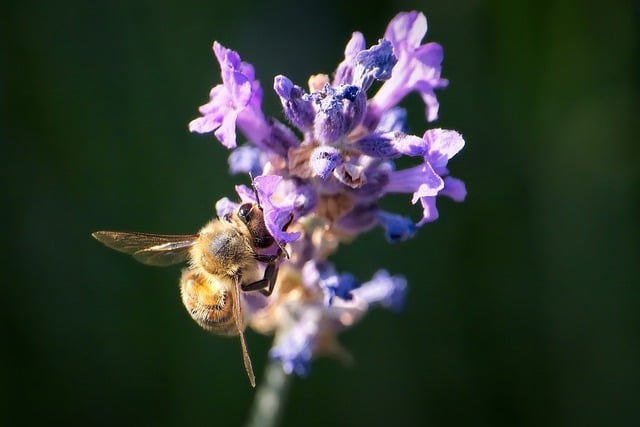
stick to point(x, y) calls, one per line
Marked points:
point(270, 397)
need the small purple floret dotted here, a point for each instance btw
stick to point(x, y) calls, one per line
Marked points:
point(246, 159)
point(397, 228)
point(374, 64)
point(224, 207)
point(393, 120)
point(418, 68)
point(294, 349)
point(338, 110)
point(296, 104)
point(391, 145)
point(226, 100)
point(323, 160)
point(420, 180)
point(344, 72)
point(383, 289)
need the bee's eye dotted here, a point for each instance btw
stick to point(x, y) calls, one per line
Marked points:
point(245, 212)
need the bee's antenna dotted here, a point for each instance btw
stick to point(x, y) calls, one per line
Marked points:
point(284, 251)
point(255, 190)
point(280, 244)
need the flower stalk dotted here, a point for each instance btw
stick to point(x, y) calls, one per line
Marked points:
point(270, 397)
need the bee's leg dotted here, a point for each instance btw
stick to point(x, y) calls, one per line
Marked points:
point(266, 284)
point(268, 259)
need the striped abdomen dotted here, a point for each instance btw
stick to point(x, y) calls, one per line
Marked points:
point(209, 302)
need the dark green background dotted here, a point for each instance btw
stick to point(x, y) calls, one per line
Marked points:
point(523, 309)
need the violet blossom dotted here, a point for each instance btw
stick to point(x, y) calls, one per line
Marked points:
point(321, 183)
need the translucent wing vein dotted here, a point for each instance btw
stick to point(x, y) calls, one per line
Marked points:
point(148, 248)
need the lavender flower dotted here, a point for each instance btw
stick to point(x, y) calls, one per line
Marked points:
point(324, 186)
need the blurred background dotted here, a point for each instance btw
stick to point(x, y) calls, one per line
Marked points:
point(524, 304)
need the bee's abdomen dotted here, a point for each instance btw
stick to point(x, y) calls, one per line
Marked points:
point(209, 304)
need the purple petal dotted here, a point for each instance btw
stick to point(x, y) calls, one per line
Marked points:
point(219, 103)
point(306, 199)
point(377, 178)
point(302, 196)
point(278, 138)
point(323, 160)
point(239, 88)
point(247, 195)
point(433, 184)
point(247, 70)
point(355, 109)
point(266, 185)
point(409, 145)
point(344, 72)
point(226, 133)
point(391, 145)
point(213, 112)
point(428, 57)
point(420, 180)
point(225, 206)
point(378, 145)
point(443, 145)
point(237, 98)
point(378, 60)
point(204, 124)
point(355, 44)
point(227, 58)
point(338, 286)
point(394, 120)
point(429, 210)
point(454, 188)
point(373, 64)
point(294, 349)
point(407, 29)
point(237, 85)
point(324, 275)
point(310, 273)
point(296, 104)
point(246, 159)
point(383, 289)
point(284, 87)
point(431, 104)
point(418, 67)
point(359, 219)
point(397, 228)
point(276, 217)
point(338, 110)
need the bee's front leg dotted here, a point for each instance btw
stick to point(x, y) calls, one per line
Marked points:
point(266, 284)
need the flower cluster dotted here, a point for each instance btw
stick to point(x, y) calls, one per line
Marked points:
point(329, 173)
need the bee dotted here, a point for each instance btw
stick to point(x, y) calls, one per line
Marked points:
point(224, 261)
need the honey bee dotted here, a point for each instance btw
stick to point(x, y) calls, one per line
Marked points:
point(223, 260)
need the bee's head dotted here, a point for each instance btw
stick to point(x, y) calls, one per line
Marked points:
point(252, 216)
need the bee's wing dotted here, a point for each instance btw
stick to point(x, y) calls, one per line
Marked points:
point(152, 249)
point(239, 316)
